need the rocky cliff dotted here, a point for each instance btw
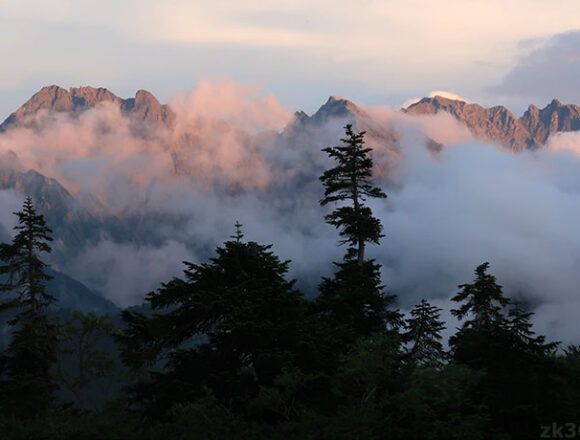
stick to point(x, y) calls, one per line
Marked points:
point(499, 125)
point(143, 107)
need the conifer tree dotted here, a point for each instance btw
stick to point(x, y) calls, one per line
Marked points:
point(483, 310)
point(497, 339)
point(484, 302)
point(353, 302)
point(228, 329)
point(423, 334)
point(351, 181)
point(32, 350)
point(519, 327)
point(495, 321)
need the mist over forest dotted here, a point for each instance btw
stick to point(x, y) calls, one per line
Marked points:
point(147, 195)
point(219, 267)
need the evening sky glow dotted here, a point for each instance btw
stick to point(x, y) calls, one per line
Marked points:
point(373, 52)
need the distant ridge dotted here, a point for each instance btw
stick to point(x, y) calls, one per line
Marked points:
point(495, 124)
point(143, 107)
point(499, 125)
point(338, 108)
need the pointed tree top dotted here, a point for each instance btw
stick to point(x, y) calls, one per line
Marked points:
point(238, 235)
point(27, 206)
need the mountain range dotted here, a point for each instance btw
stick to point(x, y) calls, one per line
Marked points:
point(500, 126)
point(495, 124)
point(143, 107)
point(82, 219)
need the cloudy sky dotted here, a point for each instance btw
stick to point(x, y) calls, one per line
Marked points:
point(373, 52)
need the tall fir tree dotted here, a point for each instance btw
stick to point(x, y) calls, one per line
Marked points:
point(351, 181)
point(353, 302)
point(26, 363)
point(423, 335)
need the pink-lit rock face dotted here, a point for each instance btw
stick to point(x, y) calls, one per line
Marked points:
point(147, 108)
point(84, 136)
point(499, 125)
point(77, 100)
point(229, 135)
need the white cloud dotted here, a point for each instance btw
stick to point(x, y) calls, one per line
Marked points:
point(132, 271)
point(434, 93)
point(10, 201)
point(445, 213)
point(569, 141)
point(448, 95)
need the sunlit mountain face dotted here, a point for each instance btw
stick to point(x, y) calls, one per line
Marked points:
point(132, 187)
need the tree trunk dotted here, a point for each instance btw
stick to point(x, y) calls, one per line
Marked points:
point(361, 241)
point(361, 252)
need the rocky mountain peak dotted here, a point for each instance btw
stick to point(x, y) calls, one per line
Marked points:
point(532, 111)
point(336, 107)
point(56, 98)
point(494, 124)
point(47, 97)
point(433, 104)
point(144, 106)
point(553, 118)
point(143, 96)
point(90, 96)
point(499, 125)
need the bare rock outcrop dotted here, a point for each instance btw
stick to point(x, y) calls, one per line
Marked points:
point(500, 126)
point(143, 107)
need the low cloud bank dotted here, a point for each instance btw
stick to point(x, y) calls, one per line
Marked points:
point(230, 159)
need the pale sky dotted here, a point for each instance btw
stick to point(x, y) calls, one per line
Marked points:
point(511, 52)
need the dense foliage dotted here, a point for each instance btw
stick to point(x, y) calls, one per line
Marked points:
point(25, 380)
point(234, 351)
point(351, 181)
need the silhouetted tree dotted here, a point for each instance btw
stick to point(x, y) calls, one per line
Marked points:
point(353, 302)
point(351, 181)
point(483, 310)
point(497, 339)
point(483, 301)
point(229, 328)
point(519, 327)
point(27, 361)
point(423, 335)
